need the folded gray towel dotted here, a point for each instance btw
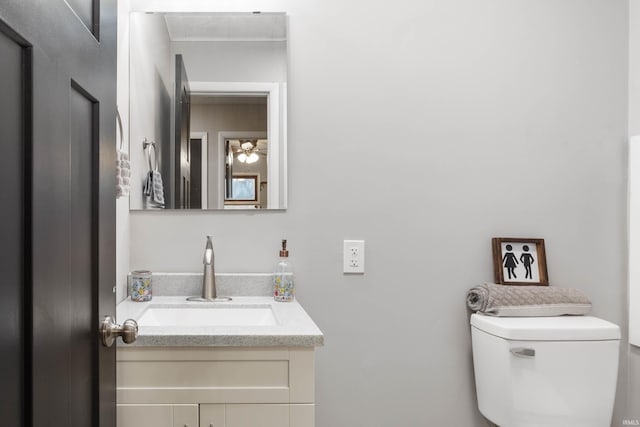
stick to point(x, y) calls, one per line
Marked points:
point(153, 189)
point(525, 301)
point(158, 191)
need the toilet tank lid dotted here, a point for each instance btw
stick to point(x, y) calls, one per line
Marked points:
point(558, 328)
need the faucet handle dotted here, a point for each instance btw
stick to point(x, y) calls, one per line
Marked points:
point(208, 252)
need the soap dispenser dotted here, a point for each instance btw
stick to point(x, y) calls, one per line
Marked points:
point(283, 276)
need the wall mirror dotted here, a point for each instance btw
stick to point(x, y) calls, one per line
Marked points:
point(207, 110)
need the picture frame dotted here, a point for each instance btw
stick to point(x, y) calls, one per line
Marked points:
point(519, 261)
point(244, 189)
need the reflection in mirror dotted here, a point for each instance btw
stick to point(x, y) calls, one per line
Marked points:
point(246, 186)
point(209, 90)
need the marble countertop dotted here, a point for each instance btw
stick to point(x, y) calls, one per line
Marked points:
point(293, 328)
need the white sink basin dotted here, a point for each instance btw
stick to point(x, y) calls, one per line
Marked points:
point(208, 316)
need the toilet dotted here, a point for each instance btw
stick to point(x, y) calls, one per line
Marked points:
point(545, 371)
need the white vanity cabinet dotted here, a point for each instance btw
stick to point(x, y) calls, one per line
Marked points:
point(215, 386)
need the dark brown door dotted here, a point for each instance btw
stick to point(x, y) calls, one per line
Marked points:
point(57, 115)
point(195, 172)
point(14, 222)
point(182, 151)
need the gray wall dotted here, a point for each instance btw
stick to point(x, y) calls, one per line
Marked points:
point(633, 353)
point(509, 118)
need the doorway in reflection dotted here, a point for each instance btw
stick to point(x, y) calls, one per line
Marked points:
point(228, 141)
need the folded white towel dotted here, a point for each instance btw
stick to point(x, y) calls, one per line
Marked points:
point(120, 191)
point(123, 172)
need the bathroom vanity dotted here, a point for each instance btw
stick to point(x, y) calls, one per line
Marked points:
point(248, 362)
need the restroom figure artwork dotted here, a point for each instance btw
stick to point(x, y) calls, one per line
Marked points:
point(510, 262)
point(519, 262)
point(527, 259)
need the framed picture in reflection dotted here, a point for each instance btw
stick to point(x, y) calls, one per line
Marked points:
point(244, 189)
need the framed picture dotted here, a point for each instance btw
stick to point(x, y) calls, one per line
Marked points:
point(519, 261)
point(244, 189)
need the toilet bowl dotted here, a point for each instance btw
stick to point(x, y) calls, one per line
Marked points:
point(545, 371)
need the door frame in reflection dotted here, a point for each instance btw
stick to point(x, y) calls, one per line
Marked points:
point(276, 130)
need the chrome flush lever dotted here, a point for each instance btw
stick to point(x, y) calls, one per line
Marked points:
point(529, 353)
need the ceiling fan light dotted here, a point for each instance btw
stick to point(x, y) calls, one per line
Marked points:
point(243, 158)
point(253, 157)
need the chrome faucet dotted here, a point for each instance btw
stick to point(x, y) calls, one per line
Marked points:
point(209, 277)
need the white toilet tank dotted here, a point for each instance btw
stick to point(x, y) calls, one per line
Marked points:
point(545, 371)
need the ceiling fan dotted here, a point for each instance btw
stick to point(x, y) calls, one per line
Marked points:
point(249, 151)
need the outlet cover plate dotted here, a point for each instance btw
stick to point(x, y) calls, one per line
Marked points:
point(353, 256)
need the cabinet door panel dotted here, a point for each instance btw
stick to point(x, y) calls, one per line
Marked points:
point(302, 415)
point(185, 416)
point(212, 416)
point(145, 416)
point(157, 415)
point(257, 415)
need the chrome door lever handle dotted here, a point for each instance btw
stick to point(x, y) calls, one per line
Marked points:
point(523, 352)
point(110, 330)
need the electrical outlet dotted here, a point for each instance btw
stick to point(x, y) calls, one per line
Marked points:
point(353, 255)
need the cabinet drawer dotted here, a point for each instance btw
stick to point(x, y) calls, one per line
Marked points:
point(147, 375)
point(204, 374)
